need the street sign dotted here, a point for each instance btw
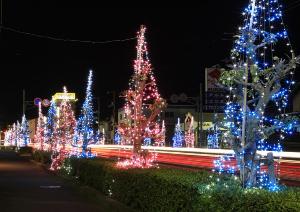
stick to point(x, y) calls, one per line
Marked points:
point(36, 101)
point(46, 102)
point(215, 96)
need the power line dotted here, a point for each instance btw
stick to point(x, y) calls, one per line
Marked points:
point(64, 39)
point(293, 6)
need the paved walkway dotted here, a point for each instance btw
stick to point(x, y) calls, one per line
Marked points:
point(25, 186)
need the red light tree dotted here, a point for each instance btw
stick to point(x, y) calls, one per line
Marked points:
point(143, 101)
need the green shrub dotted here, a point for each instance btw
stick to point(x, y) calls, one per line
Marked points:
point(42, 156)
point(25, 150)
point(178, 190)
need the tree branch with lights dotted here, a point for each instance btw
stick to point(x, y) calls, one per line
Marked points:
point(143, 104)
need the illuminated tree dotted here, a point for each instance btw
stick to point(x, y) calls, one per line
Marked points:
point(160, 135)
point(189, 135)
point(63, 131)
point(117, 137)
point(258, 81)
point(85, 133)
point(178, 137)
point(214, 134)
point(8, 137)
point(24, 132)
point(39, 136)
point(143, 102)
point(17, 134)
point(50, 125)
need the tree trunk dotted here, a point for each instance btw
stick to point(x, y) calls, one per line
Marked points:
point(137, 146)
point(271, 168)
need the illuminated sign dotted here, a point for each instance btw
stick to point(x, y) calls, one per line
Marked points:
point(207, 125)
point(63, 96)
point(36, 101)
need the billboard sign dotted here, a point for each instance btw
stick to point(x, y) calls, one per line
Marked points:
point(63, 96)
point(214, 94)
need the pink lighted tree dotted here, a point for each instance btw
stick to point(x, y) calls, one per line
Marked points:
point(143, 101)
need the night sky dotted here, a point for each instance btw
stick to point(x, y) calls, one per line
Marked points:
point(182, 42)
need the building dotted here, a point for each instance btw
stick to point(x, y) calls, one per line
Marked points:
point(296, 99)
point(174, 111)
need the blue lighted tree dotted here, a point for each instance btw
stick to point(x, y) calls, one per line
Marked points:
point(50, 125)
point(214, 134)
point(117, 137)
point(259, 80)
point(178, 137)
point(85, 125)
point(24, 132)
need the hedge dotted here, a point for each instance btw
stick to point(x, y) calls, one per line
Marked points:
point(25, 150)
point(42, 157)
point(177, 190)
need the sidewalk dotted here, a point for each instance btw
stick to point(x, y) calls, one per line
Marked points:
point(25, 186)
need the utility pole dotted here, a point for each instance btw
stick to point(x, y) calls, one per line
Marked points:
point(24, 102)
point(98, 112)
point(113, 93)
point(1, 14)
point(114, 113)
point(201, 115)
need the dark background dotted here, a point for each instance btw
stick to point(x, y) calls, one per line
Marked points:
point(182, 42)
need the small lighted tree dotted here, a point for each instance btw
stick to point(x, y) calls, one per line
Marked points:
point(160, 138)
point(178, 137)
point(143, 101)
point(24, 132)
point(17, 134)
point(117, 137)
point(8, 137)
point(85, 133)
point(50, 125)
point(189, 134)
point(39, 136)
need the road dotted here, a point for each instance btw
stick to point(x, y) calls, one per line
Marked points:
point(288, 170)
point(25, 186)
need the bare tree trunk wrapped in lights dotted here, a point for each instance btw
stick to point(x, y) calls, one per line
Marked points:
point(258, 80)
point(143, 102)
point(39, 136)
